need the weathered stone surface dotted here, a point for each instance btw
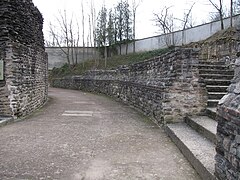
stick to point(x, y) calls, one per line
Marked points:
point(228, 132)
point(165, 88)
point(24, 87)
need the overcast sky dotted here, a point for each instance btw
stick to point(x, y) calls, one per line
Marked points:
point(145, 26)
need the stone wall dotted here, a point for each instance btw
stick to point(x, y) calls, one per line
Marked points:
point(228, 131)
point(24, 87)
point(165, 88)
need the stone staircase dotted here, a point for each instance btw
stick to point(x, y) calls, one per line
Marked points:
point(196, 137)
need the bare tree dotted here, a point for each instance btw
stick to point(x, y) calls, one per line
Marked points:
point(65, 36)
point(111, 31)
point(101, 32)
point(76, 40)
point(219, 8)
point(165, 22)
point(120, 23)
point(83, 34)
point(231, 12)
point(187, 21)
point(93, 30)
point(123, 21)
point(134, 11)
point(127, 24)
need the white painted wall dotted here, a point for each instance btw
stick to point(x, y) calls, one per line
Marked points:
point(187, 36)
point(56, 57)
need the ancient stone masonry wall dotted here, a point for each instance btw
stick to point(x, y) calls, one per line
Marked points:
point(222, 46)
point(24, 87)
point(165, 88)
point(228, 131)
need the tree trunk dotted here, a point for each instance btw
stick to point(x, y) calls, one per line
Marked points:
point(231, 14)
point(134, 32)
point(105, 56)
point(120, 49)
point(221, 18)
point(127, 48)
point(221, 14)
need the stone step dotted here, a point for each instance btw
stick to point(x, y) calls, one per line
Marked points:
point(212, 62)
point(212, 102)
point(211, 112)
point(210, 71)
point(216, 88)
point(204, 125)
point(216, 95)
point(198, 150)
point(214, 67)
point(216, 76)
point(218, 82)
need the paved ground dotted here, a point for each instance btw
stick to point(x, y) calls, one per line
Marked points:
point(80, 136)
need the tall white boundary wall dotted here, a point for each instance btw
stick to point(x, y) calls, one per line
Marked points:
point(181, 37)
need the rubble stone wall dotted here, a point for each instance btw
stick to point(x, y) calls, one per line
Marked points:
point(165, 88)
point(24, 87)
point(228, 131)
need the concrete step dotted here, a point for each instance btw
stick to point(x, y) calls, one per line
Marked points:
point(216, 88)
point(204, 125)
point(216, 76)
point(211, 112)
point(210, 71)
point(216, 95)
point(218, 82)
point(198, 150)
point(212, 102)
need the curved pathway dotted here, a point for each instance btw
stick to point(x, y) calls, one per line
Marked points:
point(81, 136)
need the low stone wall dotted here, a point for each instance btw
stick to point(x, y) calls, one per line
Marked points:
point(165, 88)
point(24, 87)
point(228, 131)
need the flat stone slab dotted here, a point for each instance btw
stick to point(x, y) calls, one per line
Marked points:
point(204, 125)
point(206, 122)
point(115, 143)
point(198, 150)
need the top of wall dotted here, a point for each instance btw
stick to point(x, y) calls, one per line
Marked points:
point(21, 21)
point(194, 27)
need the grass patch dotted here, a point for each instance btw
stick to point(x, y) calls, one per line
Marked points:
point(112, 63)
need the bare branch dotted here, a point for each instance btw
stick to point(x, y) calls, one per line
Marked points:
point(187, 16)
point(219, 10)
